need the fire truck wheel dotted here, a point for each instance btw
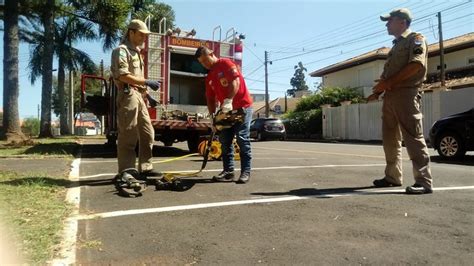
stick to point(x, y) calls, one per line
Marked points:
point(168, 143)
point(193, 143)
point(111, 140)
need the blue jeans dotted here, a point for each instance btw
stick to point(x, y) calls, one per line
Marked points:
point(242, 132)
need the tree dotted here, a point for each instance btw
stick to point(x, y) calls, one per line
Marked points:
point(31, 126)
point(68, 32)
point(156, 11)
point(298, 81)
point(11, 120)
point(110, 16)
point(47, 19)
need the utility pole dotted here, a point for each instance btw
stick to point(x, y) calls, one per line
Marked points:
point(441, 52)
point(266, 85)
point(102, 94)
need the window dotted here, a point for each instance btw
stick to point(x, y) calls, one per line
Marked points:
point(470, 61)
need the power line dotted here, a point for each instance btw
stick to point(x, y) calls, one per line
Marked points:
point(248, 75)
point(329, 32)
point(254, 54)
point(357, 27)
point(263, 90)
point(268, 82)
point(362, 38)
point(364, 47)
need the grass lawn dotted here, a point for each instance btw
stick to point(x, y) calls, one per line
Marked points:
point(59, 147)
point(32, 203)
point(33, 206)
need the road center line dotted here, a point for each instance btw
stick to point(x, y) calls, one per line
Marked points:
point(255, 168)
point(248, 202)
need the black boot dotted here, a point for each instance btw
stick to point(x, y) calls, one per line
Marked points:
point(224, 176)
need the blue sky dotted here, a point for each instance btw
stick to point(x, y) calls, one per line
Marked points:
point(320, 32)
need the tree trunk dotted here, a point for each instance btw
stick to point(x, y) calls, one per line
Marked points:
point(62, 102)
point(47, 71)
point(11, 120)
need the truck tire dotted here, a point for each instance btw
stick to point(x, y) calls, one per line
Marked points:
point(111, 140)
point(168, 143)
point(193, 143)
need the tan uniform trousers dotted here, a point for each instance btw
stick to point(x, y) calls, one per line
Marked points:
point(401, 116)
point(134, 125)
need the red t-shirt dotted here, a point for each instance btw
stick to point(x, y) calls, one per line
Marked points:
point(218, 81)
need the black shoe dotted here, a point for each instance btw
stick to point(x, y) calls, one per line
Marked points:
point(384, 183)
point(223, 177)
point(418, 189)
point(244, 178)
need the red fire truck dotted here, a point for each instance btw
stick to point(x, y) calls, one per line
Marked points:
point(181, 114)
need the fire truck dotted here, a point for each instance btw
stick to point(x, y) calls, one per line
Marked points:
point(181, 114)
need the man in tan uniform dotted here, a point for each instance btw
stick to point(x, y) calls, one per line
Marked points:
point(134, 122)
point(403, 74)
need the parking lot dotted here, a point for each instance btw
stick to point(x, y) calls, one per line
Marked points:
point(306, 203)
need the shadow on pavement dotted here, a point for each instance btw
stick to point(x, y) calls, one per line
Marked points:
point(184, 184)
point(54, 182)
point(110, 151)
point(53, 149)
point(328, 193)
point(467, 160)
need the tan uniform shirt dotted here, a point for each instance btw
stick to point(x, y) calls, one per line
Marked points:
point(409, 47)
point(126, 59)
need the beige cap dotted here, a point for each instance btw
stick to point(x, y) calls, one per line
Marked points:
point(403, 13)
point(139, 25)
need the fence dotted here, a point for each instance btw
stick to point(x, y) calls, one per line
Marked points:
point(364, 121)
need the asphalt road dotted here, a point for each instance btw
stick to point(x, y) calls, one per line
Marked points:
point(306, 204)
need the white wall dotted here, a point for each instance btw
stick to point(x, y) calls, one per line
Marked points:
point(364, 121)
point(359, 76)
point(365, 74)
point(451, 60)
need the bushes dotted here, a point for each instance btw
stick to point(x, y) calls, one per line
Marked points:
point(304, 122)
point(307, 117)
point(30, 126)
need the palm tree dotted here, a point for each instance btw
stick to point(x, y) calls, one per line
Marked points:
point(67, 32)
point(110, 18)
point(11, 120)
point(47, 19)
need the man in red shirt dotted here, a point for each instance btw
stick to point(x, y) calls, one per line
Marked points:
point(225, 85)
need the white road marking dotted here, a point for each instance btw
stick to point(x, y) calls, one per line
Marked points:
point(250, 201)
point(67, 254)
point(255, 168)
point(198, 157)
point(322, 152)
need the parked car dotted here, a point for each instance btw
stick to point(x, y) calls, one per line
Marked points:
point(267, 128)
point(452, 136)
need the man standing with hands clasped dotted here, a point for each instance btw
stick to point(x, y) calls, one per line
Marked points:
point(225, 85)
point(134, 124)
point(402, 77)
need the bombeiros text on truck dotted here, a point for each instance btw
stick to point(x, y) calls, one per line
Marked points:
point(181, 113)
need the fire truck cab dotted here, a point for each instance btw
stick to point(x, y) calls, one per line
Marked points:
point(181, 114)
